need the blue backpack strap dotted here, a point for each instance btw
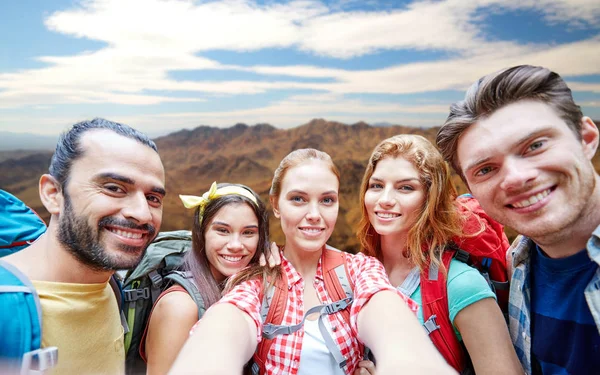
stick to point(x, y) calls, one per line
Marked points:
point(21, 324)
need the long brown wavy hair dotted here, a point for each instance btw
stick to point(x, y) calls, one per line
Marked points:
point(293, 159)
point(438, 221)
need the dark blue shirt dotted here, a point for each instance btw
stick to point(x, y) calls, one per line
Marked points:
point(565, 339)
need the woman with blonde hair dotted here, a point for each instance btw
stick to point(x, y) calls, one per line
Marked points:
point(305, 198)
point(410, 216)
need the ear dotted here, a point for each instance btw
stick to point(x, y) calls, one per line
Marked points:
point(589, 137)
point(51, 194)
point(275, 206)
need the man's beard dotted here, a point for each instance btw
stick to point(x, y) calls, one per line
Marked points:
point(81, 240)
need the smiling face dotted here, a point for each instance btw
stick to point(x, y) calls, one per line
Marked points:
point(528, 169)
point(308, 205)
point(394, 197)
point(231, 240)
point(112, 201)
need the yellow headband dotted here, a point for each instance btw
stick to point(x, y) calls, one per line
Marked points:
point(192, 201)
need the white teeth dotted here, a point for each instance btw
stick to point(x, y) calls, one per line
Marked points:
point(123, 233)
point(231, 258)
point(311, 230)
point(533, 199)
point(386, 215)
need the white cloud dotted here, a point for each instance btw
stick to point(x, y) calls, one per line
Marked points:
point(144, 48)
point(582, 86)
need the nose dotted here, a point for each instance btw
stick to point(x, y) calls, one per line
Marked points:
point(234, 244)
point(313, 215)
point(517, 174)
point(137, 209)
point(386, 199)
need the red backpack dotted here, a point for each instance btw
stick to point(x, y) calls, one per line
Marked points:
point(486, 252)
point(337, 284)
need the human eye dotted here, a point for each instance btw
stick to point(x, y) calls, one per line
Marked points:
point(375, 185)
point(297, 199)
point(154, 199)
point(250, 232)
point(483, 171)
point(406, 188)
point(114, 188)
point(536, 145)
point(328, 200)
point(220, 229)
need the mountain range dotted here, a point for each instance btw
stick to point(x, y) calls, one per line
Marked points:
point(193, 159)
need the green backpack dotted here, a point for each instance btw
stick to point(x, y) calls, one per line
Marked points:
point(158, 270)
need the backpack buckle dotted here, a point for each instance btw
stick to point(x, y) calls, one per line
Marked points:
point(431, 324)
point(462, 255)
point(156, 279)
point(340, 305)
point(39, 360)
point(132, 295)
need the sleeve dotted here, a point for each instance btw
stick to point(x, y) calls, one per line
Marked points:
point(246, 297)
point(369, 277)
point(465, 287)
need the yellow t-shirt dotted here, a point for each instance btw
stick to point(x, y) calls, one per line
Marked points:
point(83, 321)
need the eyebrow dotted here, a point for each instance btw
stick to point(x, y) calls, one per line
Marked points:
point(522, 140)
point(402, 180)
point(127, 180)
point(222, 223)
point(305, 193)
point(330, 192)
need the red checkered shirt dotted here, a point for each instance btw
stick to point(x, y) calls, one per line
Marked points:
point(368, 276)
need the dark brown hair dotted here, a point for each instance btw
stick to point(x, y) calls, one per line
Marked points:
point(196, 260)
point(499, 89)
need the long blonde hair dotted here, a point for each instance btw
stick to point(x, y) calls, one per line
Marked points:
point(292, 160)
point(438, 221)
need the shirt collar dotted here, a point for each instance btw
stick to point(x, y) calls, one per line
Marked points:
point(593, 246)
point(293, 275)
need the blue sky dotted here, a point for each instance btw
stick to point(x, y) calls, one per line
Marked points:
point(165, 65)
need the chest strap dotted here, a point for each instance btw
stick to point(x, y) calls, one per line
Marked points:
point(272, 330)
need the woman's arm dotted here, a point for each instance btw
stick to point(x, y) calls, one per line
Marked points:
point(221, 343)
point(485, 335)
point(393, 333)
point(170, 323)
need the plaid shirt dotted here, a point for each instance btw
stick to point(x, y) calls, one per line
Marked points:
point(368, 276)
point(519, 306)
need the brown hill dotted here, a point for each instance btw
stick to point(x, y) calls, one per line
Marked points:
point(245, 154)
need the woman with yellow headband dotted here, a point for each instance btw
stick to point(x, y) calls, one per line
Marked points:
point(230, 231)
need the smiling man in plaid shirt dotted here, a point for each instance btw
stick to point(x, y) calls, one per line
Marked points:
point(524, 149)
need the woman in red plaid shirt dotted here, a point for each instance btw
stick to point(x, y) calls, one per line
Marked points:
point(304, 196)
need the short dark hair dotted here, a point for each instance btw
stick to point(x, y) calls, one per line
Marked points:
point(68, 148)
point(502, 88)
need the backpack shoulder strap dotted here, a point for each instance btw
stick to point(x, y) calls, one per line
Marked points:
point(272, 310)
point(336, 275)
point(337, 278)
point(185, 280)
point(436, 314)
point(117, 287)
